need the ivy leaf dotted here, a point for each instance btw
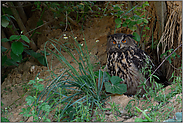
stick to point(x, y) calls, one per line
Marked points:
point(25, 38)
point(17, 47)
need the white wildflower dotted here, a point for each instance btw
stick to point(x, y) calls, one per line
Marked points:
point(97, 40)
point(65, 37)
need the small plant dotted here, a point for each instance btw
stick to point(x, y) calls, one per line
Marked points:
point(115, 110)
point(83, 113)
point(33, 103)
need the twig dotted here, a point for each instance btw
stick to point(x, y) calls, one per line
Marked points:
point(163, 62)
point(41, 25)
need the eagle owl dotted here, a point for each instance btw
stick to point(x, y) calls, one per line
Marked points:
point(126, 60)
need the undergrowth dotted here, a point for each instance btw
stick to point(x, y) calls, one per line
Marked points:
point(77, 95)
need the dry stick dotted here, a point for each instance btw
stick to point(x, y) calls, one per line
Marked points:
point(163, 62)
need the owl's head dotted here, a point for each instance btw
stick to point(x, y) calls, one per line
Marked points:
point(119, 40)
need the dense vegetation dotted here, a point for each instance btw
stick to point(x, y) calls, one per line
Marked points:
point(78, 94)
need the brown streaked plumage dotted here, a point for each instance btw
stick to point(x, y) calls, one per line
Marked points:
point(126, 60)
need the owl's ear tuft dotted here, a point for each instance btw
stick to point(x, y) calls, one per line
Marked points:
point(130, 35)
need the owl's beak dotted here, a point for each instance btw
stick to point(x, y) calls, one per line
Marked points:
point(119, 46)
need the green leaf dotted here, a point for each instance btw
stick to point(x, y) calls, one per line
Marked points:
point(31, 82)
point(118, 26)
point(116, 87)
point(132, 23)
point(124, 25)
point(32, 53)
point(147, 28)
point(119, 13)
point(145, 4)
point(125, 16)
point(118, 21)
point(16, 58)
point(117, 8)
point(127, 20)
point(144, 35)
point(145, 20)
point(29, 100)
point(17, 47)
point(133, 28)
point(46, 107)
point(25, 38)
point(4, 40)
point(139, 21)
point(136, 17)
point(42, 60)
point(39, 87)
point(5, 21)
point(137, 36)
point(10, 62)
point(11, 16)
point(115, 79)
point(3, 49)
point(38, 56)
point(14, 37)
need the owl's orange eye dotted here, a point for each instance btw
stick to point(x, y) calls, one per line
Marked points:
point(124, 41)
point(114, 42)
